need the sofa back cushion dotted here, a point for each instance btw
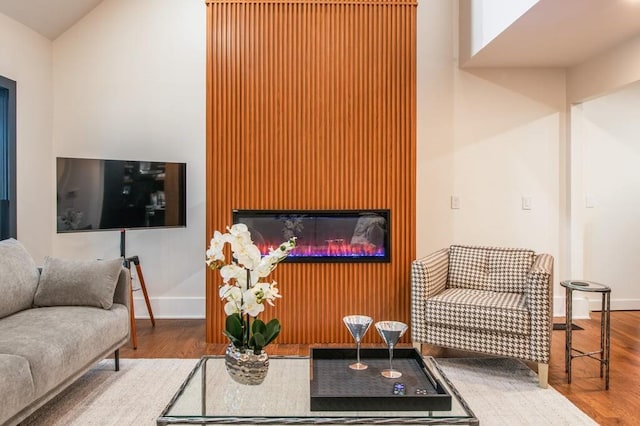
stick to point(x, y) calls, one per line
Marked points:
point(78, 282)
point(18, 278)
point(489, 268)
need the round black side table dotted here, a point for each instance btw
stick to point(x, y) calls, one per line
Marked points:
point(601, 355)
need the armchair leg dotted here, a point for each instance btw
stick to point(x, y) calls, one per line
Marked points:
point(116, 357)
point(543, 375)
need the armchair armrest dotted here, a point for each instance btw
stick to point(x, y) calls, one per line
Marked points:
point(428, 278)
point(543, 263)
point(539, 292)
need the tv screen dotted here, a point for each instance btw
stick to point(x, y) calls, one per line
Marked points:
point(95, 194)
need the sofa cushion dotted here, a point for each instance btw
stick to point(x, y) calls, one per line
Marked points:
point(479, 310)
point(489, 268)
point(18, 278)
point(78, 282)
point(59, 341)
point(16, 386)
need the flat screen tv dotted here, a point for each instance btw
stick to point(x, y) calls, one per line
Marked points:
point(95, 194)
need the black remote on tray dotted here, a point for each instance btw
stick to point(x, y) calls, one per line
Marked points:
point(398, 388)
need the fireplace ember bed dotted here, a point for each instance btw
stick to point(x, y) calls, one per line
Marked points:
point(322, 235)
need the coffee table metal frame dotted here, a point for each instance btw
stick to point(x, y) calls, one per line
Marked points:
point(371, 418)
point(602, 355)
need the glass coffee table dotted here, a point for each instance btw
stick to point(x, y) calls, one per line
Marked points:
point(210, 396)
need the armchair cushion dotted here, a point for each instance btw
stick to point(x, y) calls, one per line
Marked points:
point(508, 269)
point(479, 310)
point(489, 268)
point(468, 268)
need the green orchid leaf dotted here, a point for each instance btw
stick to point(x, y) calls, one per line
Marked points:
point(272, 330)
point(233, 328)
point(237, 343)
point(258, 326)
point(258, 342)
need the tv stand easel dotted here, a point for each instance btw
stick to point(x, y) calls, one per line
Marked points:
point(127, 261)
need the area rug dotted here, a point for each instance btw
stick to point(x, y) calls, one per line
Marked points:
point(499, 391)
point(503, 391)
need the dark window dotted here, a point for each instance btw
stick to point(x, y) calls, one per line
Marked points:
point(7, 158)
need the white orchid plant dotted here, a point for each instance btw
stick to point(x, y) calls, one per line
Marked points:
point(242, 289)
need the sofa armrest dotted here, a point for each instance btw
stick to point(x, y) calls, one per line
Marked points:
point(122, 294)
point(428, 278)
point(539, 292)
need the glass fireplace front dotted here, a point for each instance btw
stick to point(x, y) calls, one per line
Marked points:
point(322, 235)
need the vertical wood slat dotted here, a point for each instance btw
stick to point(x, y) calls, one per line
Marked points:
point(311, 105)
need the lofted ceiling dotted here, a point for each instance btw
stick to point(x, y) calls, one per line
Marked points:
point(553, 33)
point(48, 17)
point(561, 33)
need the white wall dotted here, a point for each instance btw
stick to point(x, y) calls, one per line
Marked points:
point(435, 127)
point(129, 83)
point(605, 73)
point(605, 94)
point(607, 205)
point(490, 137)
point(25, 57)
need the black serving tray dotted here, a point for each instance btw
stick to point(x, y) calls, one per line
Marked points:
point(336, 387)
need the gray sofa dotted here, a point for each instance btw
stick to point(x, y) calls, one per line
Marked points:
point(55, 324)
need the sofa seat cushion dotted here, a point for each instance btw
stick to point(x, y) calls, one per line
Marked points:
point(59, 341)
point(16, 386)
point(19, 278)
point(480, 310)
point(489, 268)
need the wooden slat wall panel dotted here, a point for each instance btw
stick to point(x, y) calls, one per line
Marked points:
point(311, 105)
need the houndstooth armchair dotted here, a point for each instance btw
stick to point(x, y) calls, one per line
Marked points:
point(485, 299)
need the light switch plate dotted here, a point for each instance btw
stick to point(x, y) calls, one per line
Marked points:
point(589, 201)
point(455, 202)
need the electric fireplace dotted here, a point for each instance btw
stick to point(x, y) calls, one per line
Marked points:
point(322, 235)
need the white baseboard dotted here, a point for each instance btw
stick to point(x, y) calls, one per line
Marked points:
point(170, 307)
point(580, 307)
point(616, 304)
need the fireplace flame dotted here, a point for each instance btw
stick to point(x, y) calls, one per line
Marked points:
point(331, 248)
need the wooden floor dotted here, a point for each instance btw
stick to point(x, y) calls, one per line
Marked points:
point(620, 405)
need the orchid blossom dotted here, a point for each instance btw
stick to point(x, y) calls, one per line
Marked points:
point(242, 289)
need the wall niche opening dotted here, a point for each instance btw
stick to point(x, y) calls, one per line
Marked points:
point(322, 235)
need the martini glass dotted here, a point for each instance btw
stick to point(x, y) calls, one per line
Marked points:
point(391, 332)
point(358, 326)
